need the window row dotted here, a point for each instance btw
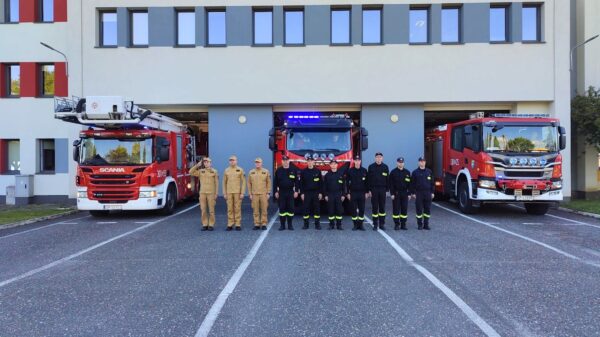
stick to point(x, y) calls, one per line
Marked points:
point(16, 11)
point(33, 80)
point(46, 158)
point(419, 23)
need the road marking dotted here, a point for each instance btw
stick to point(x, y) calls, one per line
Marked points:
point(87, 250)
point(42, 227)
point(143, 222)
point(215, 309)
point(106, 222)
point(526, 238)
point(532, 223)
point(464, 307)
point(562, 218)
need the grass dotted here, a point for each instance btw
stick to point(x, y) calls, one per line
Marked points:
point(590, 206)
point(12, 214)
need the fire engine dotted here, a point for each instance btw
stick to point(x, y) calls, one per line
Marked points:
point(322, 137)
point(128, 158)
point(498, 159)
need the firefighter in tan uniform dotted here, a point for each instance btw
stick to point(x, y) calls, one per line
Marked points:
point(259, 189)
point(209, 186)
point(234, 187)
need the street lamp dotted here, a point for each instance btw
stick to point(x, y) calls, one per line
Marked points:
point(65, 56)
point(577, 46)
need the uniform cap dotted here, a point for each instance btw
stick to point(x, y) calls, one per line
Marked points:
point(400, 159)
point(378, 154)
point(258, 160)
point(422, 158)
point(285, 158)
point(232, 157)
point(356, 157)
point(207, 159)
point(333, 161)
point(310, 159)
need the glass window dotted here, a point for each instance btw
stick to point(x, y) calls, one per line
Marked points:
point(498, 24)
point(179, 153)
point(263, 27)
point(334, 141)
point(47, 10)
point(371, 30)
point(216, 24)
point(186, 27)
point(108, 28)
point(13, 80)
point(294, 26)
point(457, 138)
point(116, 151)
point(340, 26)
point(139, 28)
point(47, 79)
point(450, 25)
point(419, 25)
point(521, 138)
point(46, 155)
point(531, 23)
point(13, 158)
point(12, 11)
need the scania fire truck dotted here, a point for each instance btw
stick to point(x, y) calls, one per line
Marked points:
point(498, 159)
point(128, 158)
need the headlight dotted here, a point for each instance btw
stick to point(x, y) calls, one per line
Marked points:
point(487, 183)
point(81, 194)
point(557, 185)
point(543, 162)
point(148, 194)
point(532, 161)
point(315, 156)
point(331, 156)
point(523, 161)
point(307, 155)
point(514, 161)
point(323, 156)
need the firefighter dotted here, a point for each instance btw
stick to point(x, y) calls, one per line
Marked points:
point(399, 190)
point(356, 181)
point(286, 186)
point(234, 187)
point(259, 190)
point(334, 192)
point(377, 179)
point(310, 193)
point(209, 185)
point(422, 187)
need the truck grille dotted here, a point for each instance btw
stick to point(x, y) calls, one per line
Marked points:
point(523, 174)
point(113, 188)
point(110, 195)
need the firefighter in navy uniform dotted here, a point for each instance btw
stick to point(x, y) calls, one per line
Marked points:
point(286, 187)
point(311, 180)
point(377, 179)
point(356, 181)
point(334, 188)
point(422, 188)
point(399, 189)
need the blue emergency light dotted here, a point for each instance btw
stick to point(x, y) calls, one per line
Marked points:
point(303, 117)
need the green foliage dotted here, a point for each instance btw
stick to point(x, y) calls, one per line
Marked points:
point(520, 144)
point(15, 87)
point(585, 115)
point(118, 155)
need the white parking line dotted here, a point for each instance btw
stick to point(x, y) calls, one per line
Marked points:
point(545, 245)
point(42, 227)
point(464, 307)
point(216, 308)
point(106, 222)
point(87, 250)
point(562, 218)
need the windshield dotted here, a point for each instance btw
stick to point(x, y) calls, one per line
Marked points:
point(319, 141)
point(116, 151)
point(521, 138)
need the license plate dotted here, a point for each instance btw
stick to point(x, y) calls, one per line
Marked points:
point(113, 207)
point(524, 197)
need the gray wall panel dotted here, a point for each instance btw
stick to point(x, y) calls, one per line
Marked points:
point(317, 25)
point(476, 23)
point(516, 21)
point(161, 26)
point(122, 27)
point(356, 24)
point(61, 155)
point(395, 24)
point(435, 23)
point(278, 25)
point(239, 26)
point(201, 26)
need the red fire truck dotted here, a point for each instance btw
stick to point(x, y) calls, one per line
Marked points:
point(322, 137)
point(497, 159)
point(129, 158)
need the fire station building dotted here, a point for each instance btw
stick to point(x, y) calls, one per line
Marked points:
point(228, 68)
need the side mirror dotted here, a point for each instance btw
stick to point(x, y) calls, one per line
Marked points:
point(272, 132)
point(76, 144)
point(272, 145)
point(364, 143)
point(364, 132)
point(562, 140)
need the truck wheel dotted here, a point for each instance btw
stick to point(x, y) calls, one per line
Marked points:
point(536, 209)
point(99, 214)
point(170, 201)
point(465, 204)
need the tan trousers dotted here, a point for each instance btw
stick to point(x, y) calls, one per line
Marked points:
point(207, 208)
point(260, 205)
point(234, 210)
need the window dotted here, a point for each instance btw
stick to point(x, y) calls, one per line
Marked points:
point(13, 158)
point(294, 26)
point(46, 156)
point(13, 80)
point(186, 27)
point(179, 153)
point(371, 30)
point(340, 26)
point(108, 29)
point(216, 27)
point(263, 27)
point(419, 25)
point(139, 28)
point(46, 79)
point(11, 11)
point(457, 138)
point(450, 24)
point(46, 10)
point(498, 24)
point(531, 23)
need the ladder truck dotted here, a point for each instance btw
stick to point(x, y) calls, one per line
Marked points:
point(128, 158)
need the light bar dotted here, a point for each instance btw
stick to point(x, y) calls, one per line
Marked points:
point(521, 115)
point(303, 116)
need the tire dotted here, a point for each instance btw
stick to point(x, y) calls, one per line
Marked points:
point(536, 209)
point(465, 204)
point(170, 201)
point(99, 214)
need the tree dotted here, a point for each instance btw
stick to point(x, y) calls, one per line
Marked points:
point(520, 144)
point(585, 114)
point(118, 155)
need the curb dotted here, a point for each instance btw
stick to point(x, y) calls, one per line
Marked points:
point(588, 214)
point(34, 220)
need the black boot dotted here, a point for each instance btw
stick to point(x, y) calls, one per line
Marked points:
point(375, 226)
point(282, 223)
point(396, 225)
point(204, 228)
point(290, 226)
point(331, 225)
point(339, 225)
point(419, 224)
point(381, 223)
point(403, 225)
point(305, 224)
point(355, 227)
point(426, 227)
point(361, 225)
